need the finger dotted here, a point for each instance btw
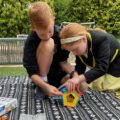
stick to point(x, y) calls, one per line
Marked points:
point(69, 87)
point(56, 92)
point(72, 87)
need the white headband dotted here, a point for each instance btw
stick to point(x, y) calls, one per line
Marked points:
point(71, 39)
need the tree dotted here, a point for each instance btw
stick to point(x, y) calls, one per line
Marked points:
point(104, 13)
point(14, 17)
point(61, 7)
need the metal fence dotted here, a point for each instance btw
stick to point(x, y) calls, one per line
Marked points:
point(87, 24)
point(11, 50)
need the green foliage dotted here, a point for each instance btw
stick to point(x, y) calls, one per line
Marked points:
point(14, 17)
point(60, 7)
point(104, 13)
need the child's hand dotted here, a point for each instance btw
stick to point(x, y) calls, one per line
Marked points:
point(53, 91)
point(69, 85)
point(75, 80)
point(83, 86)
point(80, 82)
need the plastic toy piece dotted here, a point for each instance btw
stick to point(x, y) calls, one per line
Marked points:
point(57, 97)
point(63, 89)
point(70, 99)
point(60, 98)
point(78, 91)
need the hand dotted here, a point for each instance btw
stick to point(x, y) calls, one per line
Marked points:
point(75, 78)
point(78, 79)
point(83, 87)
point(53, 91)
point(69, 85)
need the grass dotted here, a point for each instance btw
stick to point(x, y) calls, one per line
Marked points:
point(12, 71)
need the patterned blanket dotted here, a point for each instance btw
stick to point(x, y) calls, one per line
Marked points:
point(92, 106)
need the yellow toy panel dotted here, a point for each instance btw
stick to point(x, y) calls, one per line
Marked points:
point(70, 99)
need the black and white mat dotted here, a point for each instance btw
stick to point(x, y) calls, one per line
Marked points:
point(92, 106)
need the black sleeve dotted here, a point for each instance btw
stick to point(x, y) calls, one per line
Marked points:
point(102, 62)
point(29, 56)
point(79, 67)
point(61, 54)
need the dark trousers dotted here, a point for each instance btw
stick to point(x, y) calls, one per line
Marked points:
point(54, 77)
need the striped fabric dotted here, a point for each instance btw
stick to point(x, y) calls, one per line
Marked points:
point(92, 106)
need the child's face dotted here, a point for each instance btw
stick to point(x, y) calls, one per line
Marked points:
point(45, 34)
point(78, 48)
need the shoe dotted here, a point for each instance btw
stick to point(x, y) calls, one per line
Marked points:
point(40, 93)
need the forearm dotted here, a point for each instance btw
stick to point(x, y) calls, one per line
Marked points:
point(78, 79)
point(44, 55)
point(82, 78)
point(67, 67)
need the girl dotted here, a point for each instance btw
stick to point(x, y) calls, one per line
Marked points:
point(97, 50)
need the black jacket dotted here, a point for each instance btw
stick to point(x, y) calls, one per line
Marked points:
point(29, 57)
point(103, 56)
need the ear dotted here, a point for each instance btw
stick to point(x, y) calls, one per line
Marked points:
point(33, 30)
point(32, 27)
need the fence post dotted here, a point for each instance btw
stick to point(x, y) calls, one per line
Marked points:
point(10, 51)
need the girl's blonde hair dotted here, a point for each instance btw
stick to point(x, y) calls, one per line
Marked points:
point(40, 15)
point(71, 30)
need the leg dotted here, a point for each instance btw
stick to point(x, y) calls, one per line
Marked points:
point(44, 58)
point(45, 55)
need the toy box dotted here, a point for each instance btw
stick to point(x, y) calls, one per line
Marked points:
point(7, 104)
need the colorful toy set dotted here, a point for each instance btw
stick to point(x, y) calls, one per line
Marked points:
point(69, 99)
point(7, 104)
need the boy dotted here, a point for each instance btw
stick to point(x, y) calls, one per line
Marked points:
point(43, 58)
point(97, 50)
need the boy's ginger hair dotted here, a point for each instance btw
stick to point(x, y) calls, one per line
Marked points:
point(40, 14)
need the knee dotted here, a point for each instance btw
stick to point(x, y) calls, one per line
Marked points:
point(46, 46)
point(49, 45)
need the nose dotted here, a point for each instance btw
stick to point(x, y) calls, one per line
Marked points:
point(50, 34)
point(74, 52)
